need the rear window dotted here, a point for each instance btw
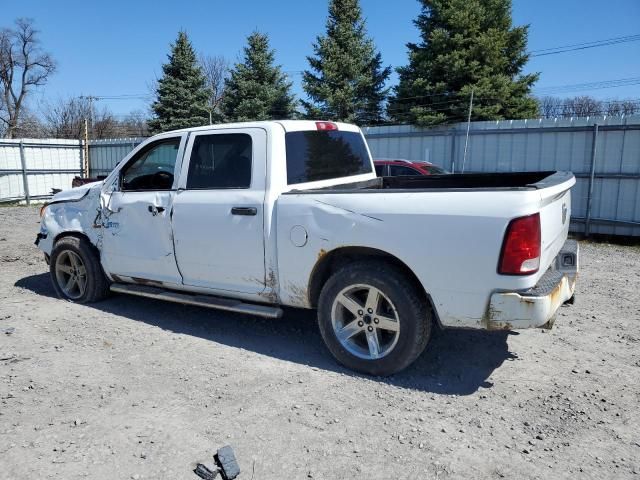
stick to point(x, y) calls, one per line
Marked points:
point(314, 155)
point(433, 170)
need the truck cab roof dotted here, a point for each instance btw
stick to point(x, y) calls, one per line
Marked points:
point(287, 125)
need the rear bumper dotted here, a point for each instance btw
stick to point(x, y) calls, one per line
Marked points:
point(537, 306)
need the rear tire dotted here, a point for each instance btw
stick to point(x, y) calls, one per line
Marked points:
point(373, 319)
point(76, 272)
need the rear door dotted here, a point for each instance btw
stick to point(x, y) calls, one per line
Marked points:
point(218, 214)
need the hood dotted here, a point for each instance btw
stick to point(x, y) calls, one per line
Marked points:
point(76, 193)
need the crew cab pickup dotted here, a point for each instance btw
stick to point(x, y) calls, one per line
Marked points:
point(251, 217)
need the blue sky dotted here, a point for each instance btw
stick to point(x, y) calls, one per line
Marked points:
point(117, 47)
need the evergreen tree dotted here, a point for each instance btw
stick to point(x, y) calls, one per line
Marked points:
point(466, 44)
point(348, 83)
point(182, 98)
point(256, 89)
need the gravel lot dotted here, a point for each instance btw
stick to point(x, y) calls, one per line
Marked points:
point(134, 388)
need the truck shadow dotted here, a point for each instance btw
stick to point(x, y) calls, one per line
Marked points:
point(456, 362)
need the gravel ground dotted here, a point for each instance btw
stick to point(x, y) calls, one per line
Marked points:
point(134, 388)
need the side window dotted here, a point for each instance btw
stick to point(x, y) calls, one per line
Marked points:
point(220, 161)
point(152, 168)
point(380, 170)
point(397, 170)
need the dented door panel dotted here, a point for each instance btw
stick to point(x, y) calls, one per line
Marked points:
point(137, 238)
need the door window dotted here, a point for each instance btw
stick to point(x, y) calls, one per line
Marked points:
point(152, 168)
point(397, 170)
point(380, 170)
point(220, 161)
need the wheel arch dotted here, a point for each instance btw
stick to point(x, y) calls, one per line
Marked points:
point(75, 234)
point(330, 262)
point(71, 233)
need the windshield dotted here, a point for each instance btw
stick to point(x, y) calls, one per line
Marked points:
point(316, 155)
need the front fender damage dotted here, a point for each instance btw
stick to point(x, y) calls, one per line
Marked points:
point(79, 212)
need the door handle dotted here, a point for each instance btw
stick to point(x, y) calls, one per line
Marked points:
point(246, 211)
point(153, 210)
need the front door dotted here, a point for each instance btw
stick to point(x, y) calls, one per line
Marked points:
point(137, 238)
point(218, 215)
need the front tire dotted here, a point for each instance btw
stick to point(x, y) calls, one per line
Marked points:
point(76, 272)
point(373, 319)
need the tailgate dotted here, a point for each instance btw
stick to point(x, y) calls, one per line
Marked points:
point(555, 215)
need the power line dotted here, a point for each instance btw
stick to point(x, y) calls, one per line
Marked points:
point(583, 46)
point(620, 82)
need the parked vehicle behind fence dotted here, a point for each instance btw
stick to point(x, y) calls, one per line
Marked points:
point(397, 168)
point(251, 217)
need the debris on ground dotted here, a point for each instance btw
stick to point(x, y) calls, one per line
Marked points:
point(225, 464)
point(206, 471)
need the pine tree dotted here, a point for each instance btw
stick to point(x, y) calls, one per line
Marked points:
point(466, 45)
point(349, 80)
point(181, 92)
point(256, 89)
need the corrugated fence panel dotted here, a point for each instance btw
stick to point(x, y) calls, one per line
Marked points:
point(104, 155)
point(48, 164)
point(527, 145)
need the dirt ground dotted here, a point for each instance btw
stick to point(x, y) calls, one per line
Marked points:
point(136, 388)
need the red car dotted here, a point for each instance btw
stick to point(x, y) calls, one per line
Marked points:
point(395, 168)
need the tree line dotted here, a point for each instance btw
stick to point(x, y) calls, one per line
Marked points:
point(466, 47)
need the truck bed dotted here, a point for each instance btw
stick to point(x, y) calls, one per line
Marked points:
point(456, 182)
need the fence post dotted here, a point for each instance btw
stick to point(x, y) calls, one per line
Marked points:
point(86, 167)
point(453, 151)
point(25, 180)
point(594, 151)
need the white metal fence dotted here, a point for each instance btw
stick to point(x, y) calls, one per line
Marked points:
point(603, 153)
point(31, 168)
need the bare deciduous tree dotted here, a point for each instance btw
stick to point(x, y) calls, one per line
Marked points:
point(585, 106)
point(216, 70)
point(550, 107)
point(65, 119)
point(623, 107)
point(136, 124)
point(29, 125)
point(23, 66)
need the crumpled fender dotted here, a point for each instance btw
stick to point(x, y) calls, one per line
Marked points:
point(76, 210)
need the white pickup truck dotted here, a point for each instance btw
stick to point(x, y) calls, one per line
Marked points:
point(255, 216)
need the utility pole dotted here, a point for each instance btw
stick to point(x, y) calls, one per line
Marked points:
point(466, 141)
point(90, 99)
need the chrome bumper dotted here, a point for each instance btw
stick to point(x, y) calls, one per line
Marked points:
point(537, 306)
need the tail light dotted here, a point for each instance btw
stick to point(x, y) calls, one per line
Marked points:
point(521, 247)
point(326, 126)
